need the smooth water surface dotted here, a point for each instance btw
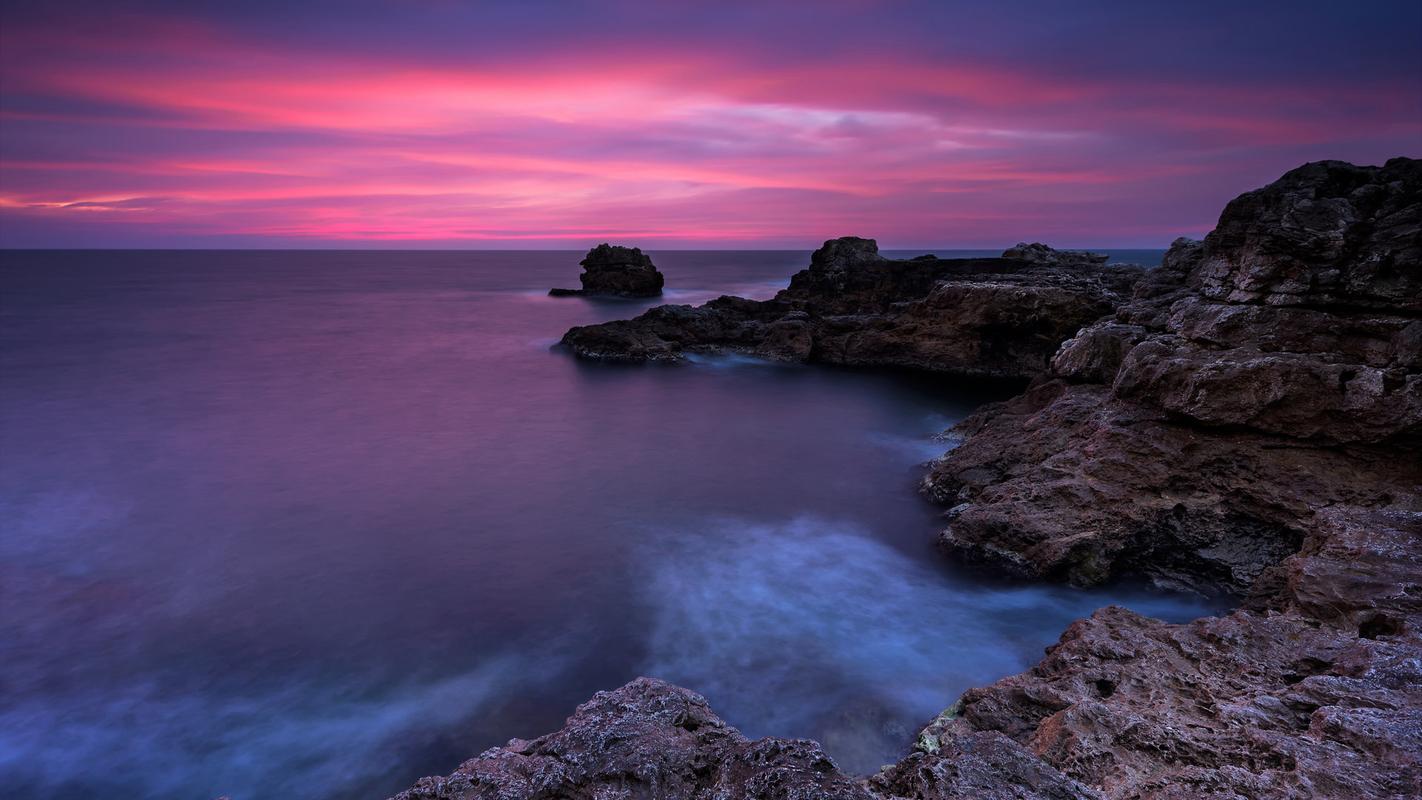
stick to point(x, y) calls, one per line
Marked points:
point(313, 524)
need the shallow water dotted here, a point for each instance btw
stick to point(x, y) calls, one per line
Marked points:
point(313, 524)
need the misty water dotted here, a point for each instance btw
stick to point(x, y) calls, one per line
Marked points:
point(314, 524)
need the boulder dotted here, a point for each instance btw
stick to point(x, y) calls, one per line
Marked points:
point(612, 271)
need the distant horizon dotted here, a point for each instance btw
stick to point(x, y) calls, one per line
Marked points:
point(810, 248)
point(375, 125)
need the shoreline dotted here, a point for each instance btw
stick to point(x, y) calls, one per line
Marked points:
point(1241, 420)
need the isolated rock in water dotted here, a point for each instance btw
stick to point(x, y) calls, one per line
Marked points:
point(614, 271)
point(1038, 253)
point(648, 739)
point(991, 317)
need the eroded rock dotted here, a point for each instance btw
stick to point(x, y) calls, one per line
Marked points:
point(992, 317)
point(612, 271)
point(1247, 422)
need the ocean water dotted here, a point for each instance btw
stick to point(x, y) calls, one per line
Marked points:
point(314, 524)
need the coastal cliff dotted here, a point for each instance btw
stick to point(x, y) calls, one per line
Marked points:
point(1245, 419)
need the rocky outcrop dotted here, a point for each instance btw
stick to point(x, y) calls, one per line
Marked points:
point(1038, 253)
point(995, 317)
point(648, 739)
point(611, 271)
point(1248, 422)
point(1250, 381)
point(1317, 693)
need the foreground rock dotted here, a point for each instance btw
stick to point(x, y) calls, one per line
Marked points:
point(998, 317)
point(1248, 422)
point(611, 271)
point(647, 739)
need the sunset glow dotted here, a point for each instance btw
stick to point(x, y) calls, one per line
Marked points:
point(422, 124)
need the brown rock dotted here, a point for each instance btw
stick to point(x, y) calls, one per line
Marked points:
point(993, 317)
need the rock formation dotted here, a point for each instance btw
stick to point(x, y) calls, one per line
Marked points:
point(1249, 422)
point(611, 271)
point(1038, 253)
point(995, 317)
point(648, 739)
point(1269, 371)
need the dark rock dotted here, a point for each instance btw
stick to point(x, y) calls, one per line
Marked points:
point(1248, 422)
point(648, 739)
point(992, 317)
point(1192, 438)
point(616, 272)
point(1038, 253)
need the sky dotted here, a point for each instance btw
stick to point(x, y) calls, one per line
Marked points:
point(536, 124)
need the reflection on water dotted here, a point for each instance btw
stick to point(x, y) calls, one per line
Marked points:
point(315, 524)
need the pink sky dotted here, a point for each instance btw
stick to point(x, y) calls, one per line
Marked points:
point(436, 124)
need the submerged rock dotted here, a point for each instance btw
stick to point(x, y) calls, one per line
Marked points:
point(613, 271)
point(992, 317)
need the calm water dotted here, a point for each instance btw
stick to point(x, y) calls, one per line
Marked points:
point(313, 524)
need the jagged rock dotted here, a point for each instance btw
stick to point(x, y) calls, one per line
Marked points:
point(648, 739)
point(992, 317)
point(1198, 435)
point(1248, 422)
point(1038, 253)
point(1316, 694)
point(1326, 235)
point(616, 272)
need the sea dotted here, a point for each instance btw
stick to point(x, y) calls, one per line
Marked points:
point(313, 524)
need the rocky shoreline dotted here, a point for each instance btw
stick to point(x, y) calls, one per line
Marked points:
point(1245, 419)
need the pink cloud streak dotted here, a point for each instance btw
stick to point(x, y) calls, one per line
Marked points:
point(188, 130)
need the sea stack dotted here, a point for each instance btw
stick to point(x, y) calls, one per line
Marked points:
point(613, 271)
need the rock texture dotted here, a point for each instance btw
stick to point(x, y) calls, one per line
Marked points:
point(1272, 370)
point(998, 317)
point(648, 739)
point(611, 271)
point(1247, 422)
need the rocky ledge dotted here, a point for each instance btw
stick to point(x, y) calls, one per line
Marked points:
point(611, 271)
point(998, 317)
point(1248, 422)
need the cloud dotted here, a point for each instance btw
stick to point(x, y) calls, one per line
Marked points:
point(680, 126)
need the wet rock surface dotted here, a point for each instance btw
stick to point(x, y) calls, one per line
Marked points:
point(996, 317)
point(1248, 422)
point(611, 271)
